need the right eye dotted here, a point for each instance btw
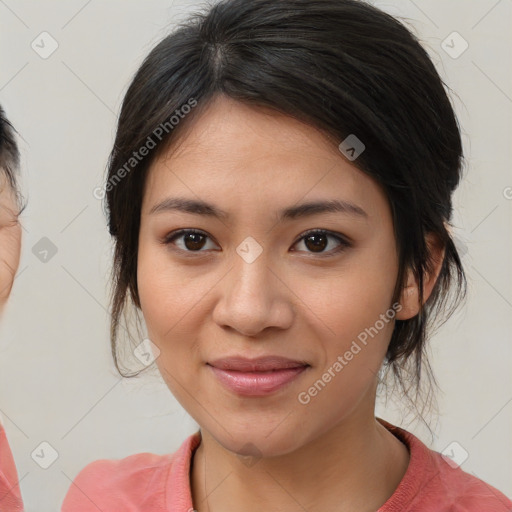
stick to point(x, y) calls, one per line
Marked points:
point(192, 240)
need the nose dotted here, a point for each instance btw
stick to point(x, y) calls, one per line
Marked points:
point(254, 297)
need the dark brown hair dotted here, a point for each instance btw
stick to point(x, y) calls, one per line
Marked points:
point(343, 66)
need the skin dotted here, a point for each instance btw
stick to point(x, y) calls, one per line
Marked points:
point(330, 454)
point(10, 239)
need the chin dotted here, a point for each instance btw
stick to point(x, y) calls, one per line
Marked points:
point(258, 443)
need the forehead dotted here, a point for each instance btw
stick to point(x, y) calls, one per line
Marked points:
point(226, 124)
point(252, 156)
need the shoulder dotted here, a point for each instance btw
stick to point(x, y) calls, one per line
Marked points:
point(465, 492)
point(114, 483)
point(130, 472)
point(135, 483)
point(434, 483)
point(10, 496)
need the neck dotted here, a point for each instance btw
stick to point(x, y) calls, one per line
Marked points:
point(357, 465)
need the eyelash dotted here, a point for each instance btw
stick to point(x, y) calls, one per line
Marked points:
point(344, 243)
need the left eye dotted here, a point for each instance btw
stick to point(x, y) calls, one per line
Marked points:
point(316, 241)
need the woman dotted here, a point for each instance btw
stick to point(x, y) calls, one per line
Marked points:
point(279, 194)
point(10, 244)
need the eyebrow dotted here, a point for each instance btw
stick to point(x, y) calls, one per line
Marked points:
point(198, 207)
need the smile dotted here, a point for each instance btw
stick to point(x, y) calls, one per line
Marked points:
point(257, 383)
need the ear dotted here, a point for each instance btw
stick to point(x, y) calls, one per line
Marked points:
point(409, 298)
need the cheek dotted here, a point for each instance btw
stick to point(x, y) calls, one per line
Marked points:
point(163, 289)
point(171, 302)
point(351, 299)
point(353, 342)
point(354, 319)
point(167, 299)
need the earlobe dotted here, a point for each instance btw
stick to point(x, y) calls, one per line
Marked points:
point(409, 299)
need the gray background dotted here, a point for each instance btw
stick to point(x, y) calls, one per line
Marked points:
point(57, 381)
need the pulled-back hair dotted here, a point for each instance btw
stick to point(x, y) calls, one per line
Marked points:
point(342, 66)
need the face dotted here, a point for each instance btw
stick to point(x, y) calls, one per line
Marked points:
point(303, 286)
point(10, 239)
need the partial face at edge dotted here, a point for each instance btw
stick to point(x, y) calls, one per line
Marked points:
point(10, 239)
point(303, 298)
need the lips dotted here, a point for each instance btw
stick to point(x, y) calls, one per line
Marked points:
point(260, 364)
point(256, 377)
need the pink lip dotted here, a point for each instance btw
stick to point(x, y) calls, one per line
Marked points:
point(256, 377)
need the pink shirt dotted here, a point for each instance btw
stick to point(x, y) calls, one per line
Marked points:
point(10, 497)
point(148, 482)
